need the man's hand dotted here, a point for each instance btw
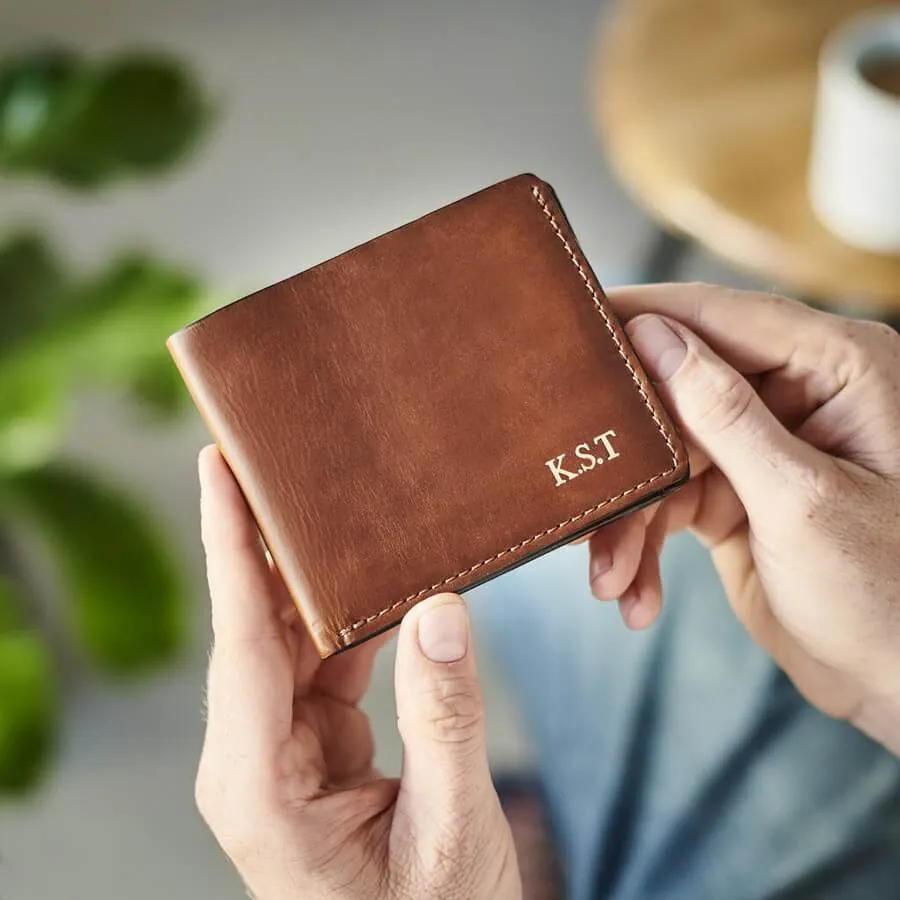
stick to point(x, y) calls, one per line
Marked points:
point(286, 780)
point(793, 422)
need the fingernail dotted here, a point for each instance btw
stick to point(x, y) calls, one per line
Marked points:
point(444, 632)
point(660, 349)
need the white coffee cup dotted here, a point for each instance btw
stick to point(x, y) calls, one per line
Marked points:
point(854, 175)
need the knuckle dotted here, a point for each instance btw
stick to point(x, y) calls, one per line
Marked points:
point(462, 856)
point(725, 400)
point(455, 711)
point(228, 816)
point(404, 882)
point(703, 289)
point(883, 349)
point(253, 825)
point(849, 347)
point(876, 365)
point(208, 791)
point(881, 333)
point(448, 854)
point(239, 834)
point(451, 864)
point(419, 882)
point(702, 295)
point(239, 843)
point(819, 492)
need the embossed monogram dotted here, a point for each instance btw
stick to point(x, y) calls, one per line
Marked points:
point(586, 457)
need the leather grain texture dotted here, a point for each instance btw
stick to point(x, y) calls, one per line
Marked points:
point(429, 409)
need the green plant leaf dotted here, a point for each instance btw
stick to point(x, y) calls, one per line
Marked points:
point(110, 332)
point(126, 597)
point(33, 297)
point(85, 124)
point(158, 387)
point(105, 324)
point(47, 93)
point(145, 113)
point(137, 282)
point(29, 710)
point(33, 92)
point(11, 614)
point(30, 418)
point(125, 315)
point(32, 287)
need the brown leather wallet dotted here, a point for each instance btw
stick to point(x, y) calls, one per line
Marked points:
point(430, 409)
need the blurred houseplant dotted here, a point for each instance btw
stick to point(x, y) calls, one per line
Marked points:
point(84, 126)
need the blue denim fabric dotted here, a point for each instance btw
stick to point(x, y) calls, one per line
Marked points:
point(680, 764)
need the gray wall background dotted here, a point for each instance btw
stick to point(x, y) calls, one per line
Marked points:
point(340, 120)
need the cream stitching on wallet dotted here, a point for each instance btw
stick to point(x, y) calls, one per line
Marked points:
point(599, 307)
point(347, 633)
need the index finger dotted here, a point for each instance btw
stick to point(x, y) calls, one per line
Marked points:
point(753, 331)
point(250, 682)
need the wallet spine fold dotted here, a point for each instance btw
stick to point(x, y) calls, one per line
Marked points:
point(187, 353)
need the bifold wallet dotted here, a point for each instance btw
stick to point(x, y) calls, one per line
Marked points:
point(430, 409)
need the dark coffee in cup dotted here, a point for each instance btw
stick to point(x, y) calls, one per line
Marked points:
point(881, 68)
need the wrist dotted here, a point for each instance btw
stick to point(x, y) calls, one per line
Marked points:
point(879, 717)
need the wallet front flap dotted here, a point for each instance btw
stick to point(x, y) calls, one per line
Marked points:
point(429, 409)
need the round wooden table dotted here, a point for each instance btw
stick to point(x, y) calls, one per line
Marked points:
point(705, 110)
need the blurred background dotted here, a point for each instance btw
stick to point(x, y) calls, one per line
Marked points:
point(157, 160)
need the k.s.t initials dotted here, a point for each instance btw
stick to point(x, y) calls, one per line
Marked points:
point(586, 456)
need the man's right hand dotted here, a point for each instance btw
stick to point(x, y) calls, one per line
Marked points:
point(793, 420)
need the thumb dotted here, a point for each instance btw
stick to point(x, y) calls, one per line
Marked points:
point(446, 783)
point(719, 409)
